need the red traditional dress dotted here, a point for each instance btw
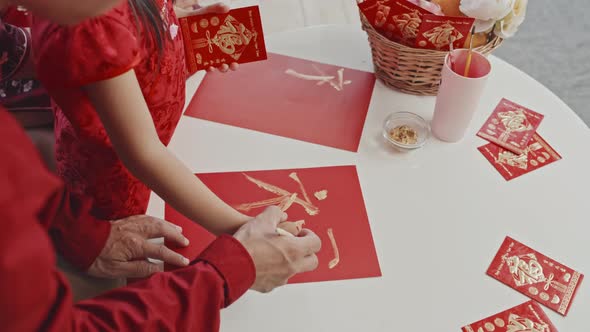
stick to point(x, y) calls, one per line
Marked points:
point(68, 58)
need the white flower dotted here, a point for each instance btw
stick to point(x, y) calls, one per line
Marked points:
point(484, 26)
point(430, 6)
point(486, 12)
point(486, 9)
point(508, 26)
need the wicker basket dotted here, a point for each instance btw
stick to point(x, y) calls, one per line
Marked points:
point(410, 70)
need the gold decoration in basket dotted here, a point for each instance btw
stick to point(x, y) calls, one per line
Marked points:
point(407, 69)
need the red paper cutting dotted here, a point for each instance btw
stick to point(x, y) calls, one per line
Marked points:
point(330, 201)
point(289, 97)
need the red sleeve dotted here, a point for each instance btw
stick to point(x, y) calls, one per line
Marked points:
point(189, 299)
point(27, 185)
point(76, 234)
point(94, 50)
point(36, 297)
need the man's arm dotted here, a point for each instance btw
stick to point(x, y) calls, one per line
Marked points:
point(108, 249)
point(77, 236)
point(36, 297)
point(189, 299)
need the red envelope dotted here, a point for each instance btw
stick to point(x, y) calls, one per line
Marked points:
point(538, 154)
point(405, 20)
point(290, 97)
point(535, 275)
point(437, 32)
point(215, 39)
point(511, 126)
point(330, 201)
point(376, 13)
point(527, 317)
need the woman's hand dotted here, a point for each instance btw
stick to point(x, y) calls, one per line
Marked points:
point(184, 8)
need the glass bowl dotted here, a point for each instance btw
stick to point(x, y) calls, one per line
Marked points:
point(411, 120)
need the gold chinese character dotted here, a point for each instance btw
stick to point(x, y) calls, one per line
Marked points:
point(408, 24)
point(336, 81)
point(521, 324)
point(284, 198)
point(332, 264)
point(442, 35)
point(526, 270)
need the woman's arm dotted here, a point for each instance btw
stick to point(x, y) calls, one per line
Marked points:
point(127, 120)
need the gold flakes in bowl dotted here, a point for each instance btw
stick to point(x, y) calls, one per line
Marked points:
point(404, 134)
point(405, 130)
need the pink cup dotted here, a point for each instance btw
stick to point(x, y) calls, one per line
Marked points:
point(458, 95)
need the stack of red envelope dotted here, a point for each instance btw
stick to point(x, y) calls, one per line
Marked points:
point(406, 23)
point(515, 148)
point(544, 280)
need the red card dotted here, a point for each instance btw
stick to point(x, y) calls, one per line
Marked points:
point(527, 317)
point(376, 13)
point(330, 201)
point(290, 97)
point(437, 32)
point(215, 39)
point(405, 20)
point(511, 126)
point(535, 275)
point(538, 154)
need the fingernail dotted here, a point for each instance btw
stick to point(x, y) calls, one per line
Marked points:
point(284, 215)
point(185, 261)
point(179, 228)
point(186, 242)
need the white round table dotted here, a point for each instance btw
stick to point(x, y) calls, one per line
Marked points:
point(438, 214)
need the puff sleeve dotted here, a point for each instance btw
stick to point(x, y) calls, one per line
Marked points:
point(94, 50)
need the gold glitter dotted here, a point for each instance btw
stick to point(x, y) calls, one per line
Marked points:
point(404, 134)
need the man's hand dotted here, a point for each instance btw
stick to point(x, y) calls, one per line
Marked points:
point(184, 8)
point(127, 249)
point(277, 258)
